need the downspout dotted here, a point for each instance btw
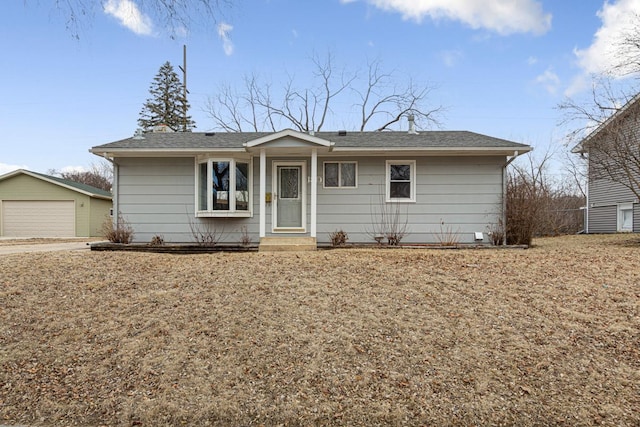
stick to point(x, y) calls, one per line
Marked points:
point(114, 188)
point(504, 195)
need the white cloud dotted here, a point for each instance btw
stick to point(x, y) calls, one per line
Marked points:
point(450, 57)
point(500, 16)
point(532, 60)
point(129, 16)
point(223, 32)
point(5, 168)
point(579, 84)
point(549, 80)
point(604, 53)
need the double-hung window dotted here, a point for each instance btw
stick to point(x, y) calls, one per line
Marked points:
point(340, 175)
point(401, 181)
point(224, 187)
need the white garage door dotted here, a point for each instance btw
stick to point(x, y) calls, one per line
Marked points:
point(36, 218)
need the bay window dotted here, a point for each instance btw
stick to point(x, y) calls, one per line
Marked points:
point(224, 187)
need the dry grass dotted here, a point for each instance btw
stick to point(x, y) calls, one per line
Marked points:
point(545, 336)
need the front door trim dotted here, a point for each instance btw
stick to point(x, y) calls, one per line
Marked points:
point(303, 192)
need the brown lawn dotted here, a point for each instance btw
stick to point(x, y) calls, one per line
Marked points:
point(544, 336)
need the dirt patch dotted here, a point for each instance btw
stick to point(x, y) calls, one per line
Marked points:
point(544, 336)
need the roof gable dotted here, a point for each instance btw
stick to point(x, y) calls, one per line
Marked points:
point(71, 185)
point(632, 105)
point(288, 138)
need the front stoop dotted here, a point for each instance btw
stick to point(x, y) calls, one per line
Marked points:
point(274, 244)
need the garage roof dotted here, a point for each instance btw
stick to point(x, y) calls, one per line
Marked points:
point(66, 183)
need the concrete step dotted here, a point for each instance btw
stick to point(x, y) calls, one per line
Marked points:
point(273, 244)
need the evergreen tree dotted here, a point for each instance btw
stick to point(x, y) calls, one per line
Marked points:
point(168, 104)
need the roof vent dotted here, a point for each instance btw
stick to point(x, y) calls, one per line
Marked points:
point(209, 134)
point(342, 133)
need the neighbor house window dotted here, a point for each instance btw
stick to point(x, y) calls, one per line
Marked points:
point(223, 187)
point(625, 217)
point(401, 181)
point(340, 174)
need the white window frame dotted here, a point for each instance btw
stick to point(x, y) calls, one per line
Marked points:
point(622, 207)
point(231, 212)
point(340, 186)
point(412, 164)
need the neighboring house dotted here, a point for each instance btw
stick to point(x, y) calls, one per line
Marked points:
point(290, 184)
point(613, 168)
point(37, 205)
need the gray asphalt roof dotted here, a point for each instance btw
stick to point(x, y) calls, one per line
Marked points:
point(230, 140)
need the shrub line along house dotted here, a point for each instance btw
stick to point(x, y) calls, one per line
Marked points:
point(260, 185)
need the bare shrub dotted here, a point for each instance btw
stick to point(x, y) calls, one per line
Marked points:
point(157, 240)
point(206, 233)
point(338, 238)
point(537, 205)
point(245, 239)
point(496, 232)
point(388, 221)
point(120, 232)
point(447, 236)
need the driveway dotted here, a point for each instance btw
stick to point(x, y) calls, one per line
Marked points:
point(17, 248)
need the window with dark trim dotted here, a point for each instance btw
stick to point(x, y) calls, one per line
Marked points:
point(340, 175)
point(401, 180)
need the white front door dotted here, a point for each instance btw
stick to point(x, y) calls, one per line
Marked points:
point(289, 196)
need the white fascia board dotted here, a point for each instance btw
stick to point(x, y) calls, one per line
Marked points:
point(483, 151)
point(161, 152)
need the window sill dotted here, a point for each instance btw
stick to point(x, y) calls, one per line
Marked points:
point(223, 214)
point(400, 201)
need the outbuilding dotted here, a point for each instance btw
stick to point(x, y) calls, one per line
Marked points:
point(37, 205)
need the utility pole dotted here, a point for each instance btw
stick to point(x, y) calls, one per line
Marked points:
point(184, 85)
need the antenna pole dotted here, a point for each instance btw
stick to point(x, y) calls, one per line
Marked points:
point(184, 85)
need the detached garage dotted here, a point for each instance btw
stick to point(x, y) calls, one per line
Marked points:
point(38, 205)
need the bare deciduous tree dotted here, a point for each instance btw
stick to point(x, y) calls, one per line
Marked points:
point(174, 15)
point(606, 128)
point(100, 175)
point(381, 101)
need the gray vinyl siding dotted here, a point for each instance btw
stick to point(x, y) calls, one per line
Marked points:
point(604, 198)
point(603, 219)
point(462, 192)
point(156, 196)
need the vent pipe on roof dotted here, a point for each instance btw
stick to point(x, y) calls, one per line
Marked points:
point(138, 134)
point(412, 125)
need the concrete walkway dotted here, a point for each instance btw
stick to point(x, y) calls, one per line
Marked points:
point(80, 245)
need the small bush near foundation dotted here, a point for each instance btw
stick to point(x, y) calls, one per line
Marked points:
point(122, 232)
point(157, 241)
point(245, 239)
point(338, 238)
point(447, 236)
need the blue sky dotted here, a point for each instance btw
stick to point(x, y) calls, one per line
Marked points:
point(500, 66)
